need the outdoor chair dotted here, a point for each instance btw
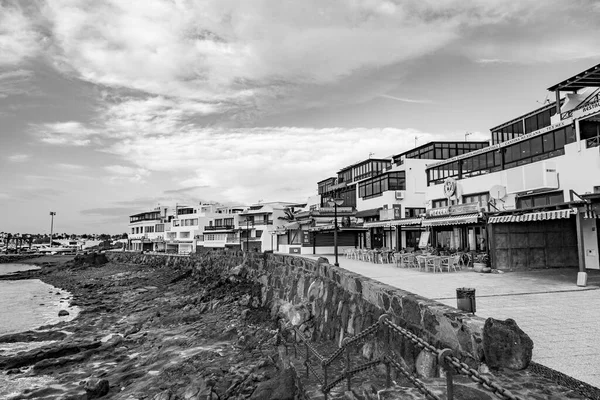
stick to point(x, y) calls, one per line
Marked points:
point(421, 262)
point(433, 263)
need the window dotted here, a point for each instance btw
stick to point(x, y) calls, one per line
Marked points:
point(218, 222)
point(184, 235)
point(482, 198)
point(228, 221)
point(411, 212)
point(132, 230)
point(376, 186)
point(540, 200)
point(439, 203)
point(149, 229)
point(258, 233)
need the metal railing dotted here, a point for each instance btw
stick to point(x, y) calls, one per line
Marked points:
point(586, 103)
point(592, 142)
point(446, 359)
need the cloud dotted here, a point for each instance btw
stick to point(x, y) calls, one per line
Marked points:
point(245, 164)
point(71, 133)
point(122, 174)
point(15, 82)
point(405, 100)
point(69, 167)
point(110, 211)
point(184, 190)
point(19, 157)
point(19, 37)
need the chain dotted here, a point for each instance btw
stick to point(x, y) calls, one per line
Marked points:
point(350, 373)
point(350, 341)
point(482, 380)
point(309, 345)
point(456, 363)
point(315, 373)
point(415, 381)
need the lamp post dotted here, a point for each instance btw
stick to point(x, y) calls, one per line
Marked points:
point(335, 202)
point(52, 214)
point(468, 134)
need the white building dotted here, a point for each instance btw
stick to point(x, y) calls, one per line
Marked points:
point(147, 230)
point(259, 222)
point(525, 195)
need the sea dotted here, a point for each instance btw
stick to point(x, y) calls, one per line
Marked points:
point(27, 304)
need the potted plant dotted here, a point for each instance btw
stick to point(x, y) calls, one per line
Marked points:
point(482, 263)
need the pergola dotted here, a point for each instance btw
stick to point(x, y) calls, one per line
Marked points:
point(587, 78)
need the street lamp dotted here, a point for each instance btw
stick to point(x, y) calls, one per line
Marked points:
point(468, 134)
point(335, 202)
point(52, 214)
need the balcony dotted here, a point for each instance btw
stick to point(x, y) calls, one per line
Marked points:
point(592, 142)
point(256, 222)
point(219, 228)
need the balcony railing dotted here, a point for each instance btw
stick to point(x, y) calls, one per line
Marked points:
point(593, 142)
point(219, 228)
point(256, 222)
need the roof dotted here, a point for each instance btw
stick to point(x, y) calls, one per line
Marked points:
point(437, 142)
point(526, 115)
point(365, 162)
point(587, 78)
point(373, 212)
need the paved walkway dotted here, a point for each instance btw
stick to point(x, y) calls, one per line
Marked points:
point(562, 319)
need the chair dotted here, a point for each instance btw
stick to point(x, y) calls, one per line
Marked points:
point(421, 262)
point(445, 263)
point(433, 263)
point(453, 262)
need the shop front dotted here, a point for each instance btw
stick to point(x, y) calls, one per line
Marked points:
point(534, 238)
point(458, 227)
point(395, 234)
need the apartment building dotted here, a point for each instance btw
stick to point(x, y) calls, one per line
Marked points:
point(530, 197)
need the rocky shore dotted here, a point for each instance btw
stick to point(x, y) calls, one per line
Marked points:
point(150, 332)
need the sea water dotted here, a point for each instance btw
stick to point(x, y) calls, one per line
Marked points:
point(29, 303)
point(26, 305)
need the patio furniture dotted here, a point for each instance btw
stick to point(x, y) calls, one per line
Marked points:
point(421, 262)
point(433, 263)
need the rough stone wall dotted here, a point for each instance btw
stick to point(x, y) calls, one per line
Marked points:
point(339, 303)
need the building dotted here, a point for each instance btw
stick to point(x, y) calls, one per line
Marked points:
point(523, 198)
point(147, 230)
point(222, 230)
point(387, 197)
point(259, 222)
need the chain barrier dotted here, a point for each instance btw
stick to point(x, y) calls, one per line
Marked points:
point(460, 366)
point(444, 356)
point(415, 381)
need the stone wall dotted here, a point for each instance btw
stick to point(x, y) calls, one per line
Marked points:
point(336, 303)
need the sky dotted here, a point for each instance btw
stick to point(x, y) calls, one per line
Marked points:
point(111, 107)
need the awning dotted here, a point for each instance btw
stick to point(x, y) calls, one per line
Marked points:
point(590, 214)
point(373, 212)
point(393, 222)
point(340, 228)
point(451, 220)
point(291, 225)
point(536, 216)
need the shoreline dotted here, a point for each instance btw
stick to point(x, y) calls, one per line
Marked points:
point(144, 332)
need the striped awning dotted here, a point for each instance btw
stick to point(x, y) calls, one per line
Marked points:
point(451, 220)
point(393, 222)
point(590, 214)
point(537, 216)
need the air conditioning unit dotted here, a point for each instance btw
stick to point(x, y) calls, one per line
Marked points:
point(399, 194)
point(540, 175)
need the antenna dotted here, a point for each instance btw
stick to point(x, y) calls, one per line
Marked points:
point(468, 134)
point(546, 101)
point(371, 154)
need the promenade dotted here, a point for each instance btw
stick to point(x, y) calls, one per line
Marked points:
point(560, 317)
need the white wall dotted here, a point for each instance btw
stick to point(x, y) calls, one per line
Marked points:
point(590, 243)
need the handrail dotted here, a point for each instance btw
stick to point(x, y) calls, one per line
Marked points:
point(450, 363)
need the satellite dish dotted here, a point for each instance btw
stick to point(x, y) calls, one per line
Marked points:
point(498, 192)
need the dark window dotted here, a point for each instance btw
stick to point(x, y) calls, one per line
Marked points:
point(411, 212)
point(536, 146)
point(439, 203)
point(548, 142)
point(559, 139)
point(540, 200)
point(570, 134)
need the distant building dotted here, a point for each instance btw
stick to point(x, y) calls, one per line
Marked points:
point(147, 229)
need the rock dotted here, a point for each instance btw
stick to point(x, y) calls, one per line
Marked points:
point(505, 345)
point(281, 387)
point(297, 315)
point(166, 395)
point(239, 270)
point(95, 388)
point(426, 364)
point(63, 313)
point(245, 312)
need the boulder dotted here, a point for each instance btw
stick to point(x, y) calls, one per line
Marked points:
point(63, 313)
point(297, 315)
point(426, 364)
point(505, 345)
point(281, 387)
point(95, 388)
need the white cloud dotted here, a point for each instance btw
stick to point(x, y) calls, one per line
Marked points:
point(19, 39)
point(19, 157)
point(124, 174)
point(69, 167)
point(71, 133)
point(250, 163)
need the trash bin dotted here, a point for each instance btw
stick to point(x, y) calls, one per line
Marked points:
point(465, 299)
